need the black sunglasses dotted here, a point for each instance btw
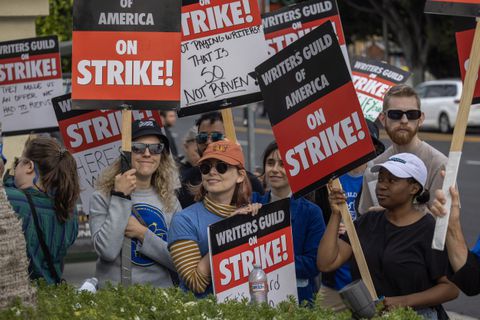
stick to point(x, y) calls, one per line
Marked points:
point(202, 137)
point(154, 148)
point(220, 166)
point(398, 114)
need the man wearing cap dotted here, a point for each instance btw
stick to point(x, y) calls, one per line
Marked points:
point(401, 118)
point(138, 204)
point(210, 129)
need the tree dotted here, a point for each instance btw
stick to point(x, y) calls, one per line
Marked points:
point(413, 30)
point(60, 23)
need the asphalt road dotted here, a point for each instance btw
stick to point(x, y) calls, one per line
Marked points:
point(468, 181)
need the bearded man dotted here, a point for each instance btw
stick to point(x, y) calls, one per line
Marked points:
point(401, 118)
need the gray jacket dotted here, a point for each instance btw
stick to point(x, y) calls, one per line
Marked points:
point(151, 260)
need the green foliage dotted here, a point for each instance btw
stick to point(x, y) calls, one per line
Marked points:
point(59, 22)
point(145, 302)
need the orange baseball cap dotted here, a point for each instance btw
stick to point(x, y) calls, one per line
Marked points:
point(226, 151)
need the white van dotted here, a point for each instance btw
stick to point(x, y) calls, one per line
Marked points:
point(440, 100)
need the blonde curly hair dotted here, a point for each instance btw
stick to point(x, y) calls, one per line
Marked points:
point(165, 180)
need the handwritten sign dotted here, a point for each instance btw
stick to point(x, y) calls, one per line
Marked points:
point(314, 111)
point(239, 242)
point(30, 76)
point(372, 79)
point(286, 25)
point(468, 8)
point(222, 43)
point(126, 52)
point(93, 138)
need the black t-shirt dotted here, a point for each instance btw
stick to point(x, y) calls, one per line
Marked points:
point(192, 176)
point(400, 259)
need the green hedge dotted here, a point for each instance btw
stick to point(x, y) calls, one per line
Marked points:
point(145, 302)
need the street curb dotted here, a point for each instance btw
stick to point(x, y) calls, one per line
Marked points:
point(457, 316)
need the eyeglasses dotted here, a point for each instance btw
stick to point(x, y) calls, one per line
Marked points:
point(398, 114)
point(220, 166)
point(154, 148)
point(202, 137)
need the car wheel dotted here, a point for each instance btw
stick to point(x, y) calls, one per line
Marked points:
point(444, 123)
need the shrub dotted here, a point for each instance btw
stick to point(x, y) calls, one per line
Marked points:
point(145, 302)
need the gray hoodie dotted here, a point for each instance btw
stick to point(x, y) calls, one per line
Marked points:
point(108, 220)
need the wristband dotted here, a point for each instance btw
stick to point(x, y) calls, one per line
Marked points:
point(120, 194)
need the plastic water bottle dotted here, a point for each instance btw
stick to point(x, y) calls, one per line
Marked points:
point(257, 281)
point(90, 285)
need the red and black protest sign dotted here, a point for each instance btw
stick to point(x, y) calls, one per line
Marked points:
point(239, 242)
point(372, 79)
point(314, 110)
point(222, 43)
point(30, 75)
point(468, 8)
point(465, 30)
point(286, 25)
point(126, 53)
point(94, 139)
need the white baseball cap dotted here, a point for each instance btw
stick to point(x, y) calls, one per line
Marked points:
point(405, 165)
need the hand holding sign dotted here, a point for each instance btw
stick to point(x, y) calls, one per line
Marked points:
point(126, 182)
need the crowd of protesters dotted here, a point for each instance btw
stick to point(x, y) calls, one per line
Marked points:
point(388, 198)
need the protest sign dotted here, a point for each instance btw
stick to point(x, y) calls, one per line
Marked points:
point(465, 29)
point(314, 110)
point(30, 76)
point(94, 139)
point(126, 53)
point(456, 147)
point(222, 43)
point(284, 26)
point(470, 8)
point(239, 242)
point(372, 79)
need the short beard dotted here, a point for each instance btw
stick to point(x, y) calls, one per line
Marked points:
point(401, 139)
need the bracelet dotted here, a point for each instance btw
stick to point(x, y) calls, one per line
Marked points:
point(120, 194)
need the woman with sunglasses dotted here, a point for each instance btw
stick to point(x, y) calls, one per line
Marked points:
point(396, 242)
point(224, 189)
point(308, 225)
point(44, 197)
point(137, 204)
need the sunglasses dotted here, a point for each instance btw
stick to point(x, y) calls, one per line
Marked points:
point(220, 166)
point(398, 114)
point(153, 148)
point(202, 137)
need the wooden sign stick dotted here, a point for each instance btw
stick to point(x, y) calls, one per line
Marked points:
point(356, 247)
point(456, 147)
point(126, 259)
point(229, 125)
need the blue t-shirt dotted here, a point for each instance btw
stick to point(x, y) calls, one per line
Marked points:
point(192, 224)
point(352, 186)
point(476, 249)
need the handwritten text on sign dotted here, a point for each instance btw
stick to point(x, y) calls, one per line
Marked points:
point(30, 76)
point(223, 41)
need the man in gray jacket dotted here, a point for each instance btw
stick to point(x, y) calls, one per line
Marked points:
point(137, 204)
point(402, 118)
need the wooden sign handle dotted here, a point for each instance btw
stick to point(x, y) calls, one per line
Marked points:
point(126, 261)
point(458, 139)
point(229, 125)
point(355, 244)
point(127, 130)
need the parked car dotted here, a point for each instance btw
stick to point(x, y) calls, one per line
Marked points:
point(440, 100)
